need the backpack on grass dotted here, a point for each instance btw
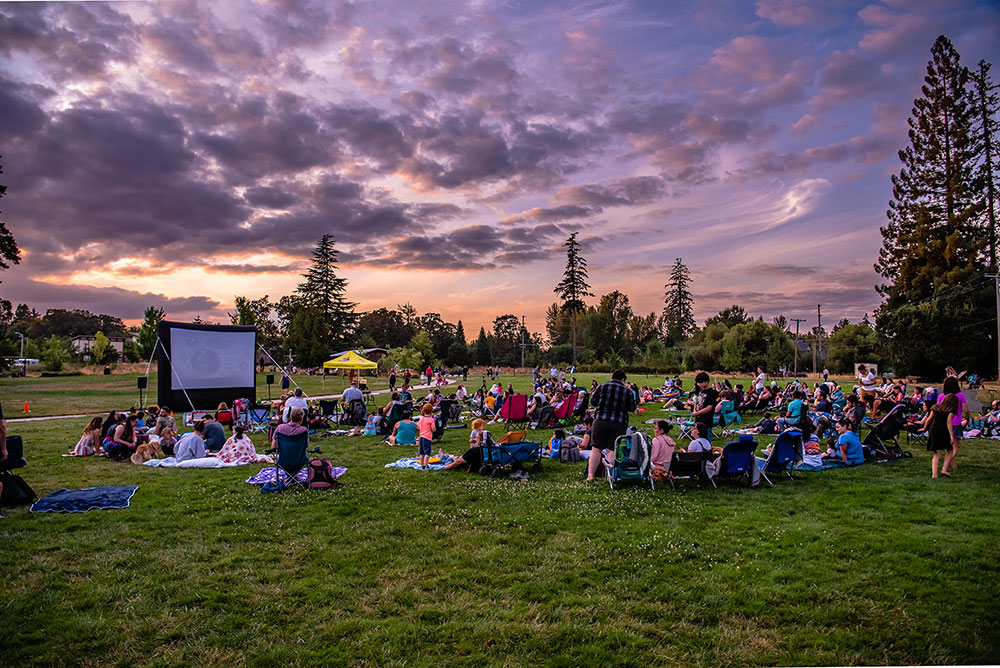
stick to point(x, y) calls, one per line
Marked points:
point(320, 474)
point(16, 492)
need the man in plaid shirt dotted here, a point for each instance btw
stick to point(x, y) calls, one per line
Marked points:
point(613, 402)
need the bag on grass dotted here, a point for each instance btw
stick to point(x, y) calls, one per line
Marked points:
point(320, 474)
point(16, 492)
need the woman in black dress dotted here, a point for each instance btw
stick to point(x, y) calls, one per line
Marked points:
point(940, 437)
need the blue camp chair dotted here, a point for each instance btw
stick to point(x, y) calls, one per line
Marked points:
point(632, 461)
point(738, 459)
point(291, 458)
point(786, 452)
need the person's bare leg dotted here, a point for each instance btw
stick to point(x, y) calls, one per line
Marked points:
point(934, 463)
point(595, 460)
point(455, 463)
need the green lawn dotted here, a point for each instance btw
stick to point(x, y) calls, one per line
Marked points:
point(873, 565)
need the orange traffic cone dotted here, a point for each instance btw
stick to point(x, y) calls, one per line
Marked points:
point(26, 409)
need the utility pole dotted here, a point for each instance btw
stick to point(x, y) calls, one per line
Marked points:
point(522, 342)
point(797, 321)
point(819, 334)
point(996, 281)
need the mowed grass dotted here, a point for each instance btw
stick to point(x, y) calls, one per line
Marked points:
point(872, 565)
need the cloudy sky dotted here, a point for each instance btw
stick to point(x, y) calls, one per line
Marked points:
point(180, 153)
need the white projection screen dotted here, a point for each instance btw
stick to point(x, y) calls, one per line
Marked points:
point(207, 364)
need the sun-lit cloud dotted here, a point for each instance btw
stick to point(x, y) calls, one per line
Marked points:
point(186, 152)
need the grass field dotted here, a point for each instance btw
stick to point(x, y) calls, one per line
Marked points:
point(872, 565)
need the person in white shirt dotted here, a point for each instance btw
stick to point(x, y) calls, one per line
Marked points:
point(760, 380)
point(698, 443)
point(297, 400)
point(866, 379)
point(352, 394)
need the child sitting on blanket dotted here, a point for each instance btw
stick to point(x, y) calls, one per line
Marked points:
point(552, 449)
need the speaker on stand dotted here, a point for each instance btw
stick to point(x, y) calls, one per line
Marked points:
point(140, 383)
point(270, 381)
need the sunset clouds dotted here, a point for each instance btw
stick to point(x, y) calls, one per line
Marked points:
point(180, 153)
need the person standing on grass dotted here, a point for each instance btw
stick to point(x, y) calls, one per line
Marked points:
point(708, 397)
point(941, 434)
point(961, 413)
point(613, 402)
point(426, 427)
point(866, 379)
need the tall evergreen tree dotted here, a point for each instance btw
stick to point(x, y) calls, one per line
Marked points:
point(574, 287)
point(147, 332)
point(678, 309)
point(932, 247)
point(9, 252)
point(482, 348)
point(987, 104)
point(326, 292)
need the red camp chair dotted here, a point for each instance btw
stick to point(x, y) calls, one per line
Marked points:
point(564, 414)
point(514, 411)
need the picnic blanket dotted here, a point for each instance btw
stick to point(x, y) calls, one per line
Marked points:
point(810, 463)
point(200, 463)
point(82, 500)
point(414, 463)
point(267, 475)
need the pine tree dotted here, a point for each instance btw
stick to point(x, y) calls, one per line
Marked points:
point(326, 292)
point(678, 309)
point(147, 332)
point(9, 252)
point(932, 247)
point(574, 287)
point(482, 348)
point(987, 102)
point(932, 216)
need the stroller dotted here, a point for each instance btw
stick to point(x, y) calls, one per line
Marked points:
point(882, 439)
point(631, 460)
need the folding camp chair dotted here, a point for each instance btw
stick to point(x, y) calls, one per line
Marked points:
point(738, 460)
point(514, 411)
point(690, 466)
point(786, 452)
point(290, 458)
point(258, 418)
point(224, 417)
point(564, 414)
point(330, 409)
point(727, 418)
point(632, 461)
point(513, 454)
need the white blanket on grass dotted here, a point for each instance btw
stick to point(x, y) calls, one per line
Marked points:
point(200, 463)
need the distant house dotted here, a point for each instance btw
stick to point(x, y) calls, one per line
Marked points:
point(373, 354)
point(82, 343)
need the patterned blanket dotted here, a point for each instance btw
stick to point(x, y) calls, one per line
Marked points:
point(267, 475)
point(414, 463)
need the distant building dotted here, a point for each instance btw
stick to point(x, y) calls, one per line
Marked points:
point(85, 342)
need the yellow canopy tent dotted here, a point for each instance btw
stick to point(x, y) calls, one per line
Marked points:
point(348, 360)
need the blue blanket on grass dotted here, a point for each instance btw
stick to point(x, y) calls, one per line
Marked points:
point(827, 464)
point(82, 500)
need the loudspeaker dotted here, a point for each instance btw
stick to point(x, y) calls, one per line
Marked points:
point(270, 379)
point(140, 382)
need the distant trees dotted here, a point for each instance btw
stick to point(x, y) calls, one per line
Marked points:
point(850, 344)
point(9, 252)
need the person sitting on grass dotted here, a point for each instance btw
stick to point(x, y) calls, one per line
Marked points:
point(163, 421)
point(404, 432)
point(168, 439)
point(551, 449)
point(239, 449)
point(766, 425)
point(855, 411)
point(192, 444)
point(123, 443)
point(472, 459)
point(848, 448)
point(215, 434)
point(90, 440)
